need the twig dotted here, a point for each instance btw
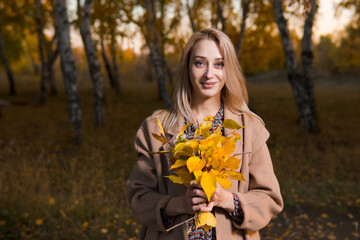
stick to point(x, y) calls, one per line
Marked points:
point(188, 220)
point(242, 153)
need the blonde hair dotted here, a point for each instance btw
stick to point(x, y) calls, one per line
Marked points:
point(233, 95)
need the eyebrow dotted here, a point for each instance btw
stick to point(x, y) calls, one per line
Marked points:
point(206, 58)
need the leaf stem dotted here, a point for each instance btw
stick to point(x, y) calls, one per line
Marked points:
point(186, 221)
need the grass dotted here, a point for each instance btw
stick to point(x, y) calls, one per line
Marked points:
point(51, 189)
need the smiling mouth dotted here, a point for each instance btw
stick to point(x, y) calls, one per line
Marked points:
point(208, 84)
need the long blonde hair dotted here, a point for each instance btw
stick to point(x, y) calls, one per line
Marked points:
point(234, 94)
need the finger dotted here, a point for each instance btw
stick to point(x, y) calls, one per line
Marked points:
point(206, 207)
point(194, 185)
point(198, 200)
point(200, 193)
point(203, 207)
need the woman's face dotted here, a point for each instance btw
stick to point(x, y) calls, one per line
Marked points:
point(206, 71)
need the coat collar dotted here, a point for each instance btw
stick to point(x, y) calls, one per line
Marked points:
point(228, 114)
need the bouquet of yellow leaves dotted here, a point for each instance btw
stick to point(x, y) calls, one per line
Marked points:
point(205, 159)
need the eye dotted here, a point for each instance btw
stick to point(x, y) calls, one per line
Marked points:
point(219, 65)
point(199, 63)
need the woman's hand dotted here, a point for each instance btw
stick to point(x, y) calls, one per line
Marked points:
point(195, 198)
point(221, 198)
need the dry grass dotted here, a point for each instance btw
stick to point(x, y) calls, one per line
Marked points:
point(50, 189)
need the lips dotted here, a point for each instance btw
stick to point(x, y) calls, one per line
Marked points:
point(208, 84)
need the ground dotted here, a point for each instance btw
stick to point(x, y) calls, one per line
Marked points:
point(52, 189)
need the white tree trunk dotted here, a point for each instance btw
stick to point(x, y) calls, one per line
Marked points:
point(307, 119)
point(153, 41)
point(68, 68)
point(307, 57)
point(93, 62)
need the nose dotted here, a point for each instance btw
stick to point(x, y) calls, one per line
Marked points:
point(209, 72)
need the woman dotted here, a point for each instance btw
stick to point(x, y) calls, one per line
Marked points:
point(210, 83)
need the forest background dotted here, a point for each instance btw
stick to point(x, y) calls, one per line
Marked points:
point(69, 110)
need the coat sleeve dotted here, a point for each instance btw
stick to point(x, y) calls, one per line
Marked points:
point(263, 199)
point(143, 185)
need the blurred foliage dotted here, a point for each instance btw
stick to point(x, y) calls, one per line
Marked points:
point(261, 50)
point(342, 57)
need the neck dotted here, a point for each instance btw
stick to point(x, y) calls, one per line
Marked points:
point(205, 107)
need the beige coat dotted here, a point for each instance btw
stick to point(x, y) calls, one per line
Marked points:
point(148, 190)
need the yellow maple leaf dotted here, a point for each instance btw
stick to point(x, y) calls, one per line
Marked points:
point(205, 128)
point(234, 175)
point(206, 144)
point(176, 179)
point(228, 147)
point(196, 134)
point(161, 128)
point(215, 137)
point(183, 150)
point(237, 136)
point(195, 163)
point(215, 163)
point(232, 163)
point(208, 183)
point(178, 163)
point(209, 118)
point(198, 174)
point(184, 174)
point(206, 220)
point(231, 124)
point(224, 182)
point(185, 127)
point(224, 139)
point(159, 138)
point(194, 144)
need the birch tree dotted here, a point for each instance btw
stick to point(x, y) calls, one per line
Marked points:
point(245, 6)
point(115, 66)
point(301, 82)
point(41, 44)
point(47, 49)
point(68, 68)
point(107, 64)
point(106, 27)
point(92, 58)
point(220, 16)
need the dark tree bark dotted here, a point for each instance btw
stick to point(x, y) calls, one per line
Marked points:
point(93, 62)
point(153, 40)
point(115, 67)
point(307, 57)
point(245, 14)
point(52, 55)
point(6, 63)
point(41, 43)
point(107, 64)
point(220, 17)
point(307, 120)
point(190, 13)
point(68, 68)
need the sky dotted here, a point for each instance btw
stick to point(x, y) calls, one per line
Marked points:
point(326, 23)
